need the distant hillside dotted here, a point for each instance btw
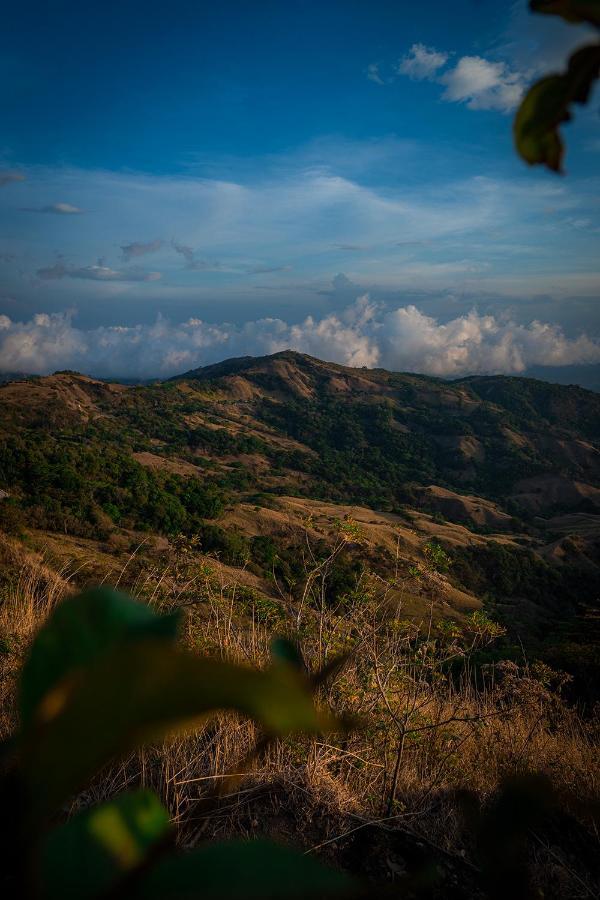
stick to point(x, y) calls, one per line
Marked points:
point(378, 433)
point(292, 423)
point(503, 472)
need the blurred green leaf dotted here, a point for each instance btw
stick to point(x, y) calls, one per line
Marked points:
point(546, 106)
point(571, 10)
point(88, 855)
point(78, 631)
point(285, 651)
point(244, 870)
point(142, 691)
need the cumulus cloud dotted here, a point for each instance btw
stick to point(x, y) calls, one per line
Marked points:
point(363, 334)
point(7, 176)
point(475, 344)
point(138, 248)
point(57, 209)
point(478, 82)
point(99, 272)
point(482, 84)
point(422, 63)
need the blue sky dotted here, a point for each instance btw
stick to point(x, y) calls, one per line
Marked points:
point(184, 181)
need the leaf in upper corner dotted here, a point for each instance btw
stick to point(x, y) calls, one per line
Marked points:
point(91, 853)
point(143, 691)
point(570, 10)
point(78, 631)
point(546, 106)
point(243, 870)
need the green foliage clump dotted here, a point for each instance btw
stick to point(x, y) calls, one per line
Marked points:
point(74, 485)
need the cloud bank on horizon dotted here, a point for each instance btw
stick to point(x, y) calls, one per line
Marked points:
point(364, 334)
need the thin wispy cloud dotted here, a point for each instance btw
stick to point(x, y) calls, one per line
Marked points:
point(139, 248)
point(372, 72)
point(267, 270)
point(57, 209)
point(98, 272)
point(193, 261)
point(8, 177)
point(235, 241)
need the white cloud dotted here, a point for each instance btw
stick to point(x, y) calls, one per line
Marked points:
point(364, 334)
point(57, 209)
point(422, 63)
point(477, 344)
point(435, 225)
point(99, 272)
point(474, 80)
point(482, 84)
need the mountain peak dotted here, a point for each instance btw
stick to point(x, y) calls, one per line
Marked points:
point(236, 365)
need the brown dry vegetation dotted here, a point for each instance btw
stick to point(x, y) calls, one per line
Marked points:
point(340, 497)
point(421, 736)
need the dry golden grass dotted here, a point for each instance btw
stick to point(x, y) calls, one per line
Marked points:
point(421, 736)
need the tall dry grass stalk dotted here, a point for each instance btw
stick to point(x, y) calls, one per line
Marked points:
point(428, 725)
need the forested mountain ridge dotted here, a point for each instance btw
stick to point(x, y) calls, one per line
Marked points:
point(291, 424)
point(359, 435)
point(503, 473)
point(487, 432)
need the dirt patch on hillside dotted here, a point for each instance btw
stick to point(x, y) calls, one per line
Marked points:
point(578, 453)
point(163, 464)
point(550, 491)
point(76, 396)
point(464, 508)
point(466, 446)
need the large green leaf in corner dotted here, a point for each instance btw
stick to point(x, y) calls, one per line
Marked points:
point(142, 691)
point(547, 104)
point(243, 870)
point(77, 633)
point(94, 850)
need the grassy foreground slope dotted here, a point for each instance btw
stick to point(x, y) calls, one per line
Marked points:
point(394, 515)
